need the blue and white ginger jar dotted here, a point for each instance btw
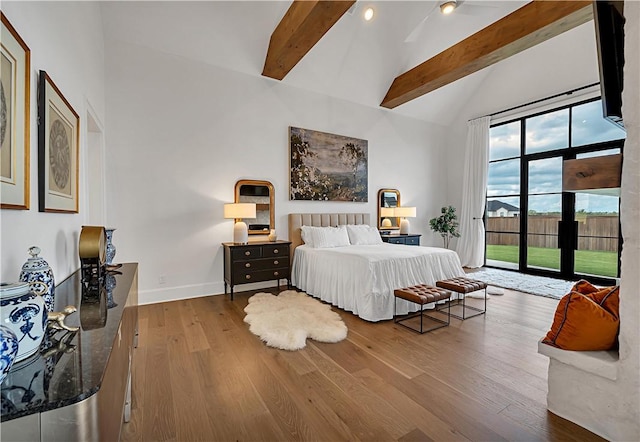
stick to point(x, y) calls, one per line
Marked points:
point(37, 269)
point(8, 350)
point(24, 313)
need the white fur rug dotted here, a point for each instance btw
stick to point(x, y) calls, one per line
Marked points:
point(287, 320)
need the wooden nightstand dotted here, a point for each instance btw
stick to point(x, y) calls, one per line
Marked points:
point(255, 262)
point(410, 239)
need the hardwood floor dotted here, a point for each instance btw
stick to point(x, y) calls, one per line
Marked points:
point(200, 375)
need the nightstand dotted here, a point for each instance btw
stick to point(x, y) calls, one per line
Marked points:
point(409, 239)
point(256, 262)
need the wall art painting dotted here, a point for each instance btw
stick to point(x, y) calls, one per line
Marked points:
point(58, 147)
point(15, 60)
point(327, 167)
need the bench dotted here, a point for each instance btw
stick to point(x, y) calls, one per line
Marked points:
point(421, 294)
point(464, 286)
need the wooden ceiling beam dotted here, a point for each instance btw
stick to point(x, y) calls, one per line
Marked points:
point(528, 26)
point(302, 26)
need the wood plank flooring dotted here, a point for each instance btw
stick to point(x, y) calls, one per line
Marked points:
point(200, 375)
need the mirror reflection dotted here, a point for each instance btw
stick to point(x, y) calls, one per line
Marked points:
point(263, 195)
point(387, 200)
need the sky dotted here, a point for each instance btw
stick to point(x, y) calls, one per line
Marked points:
point(544, 133)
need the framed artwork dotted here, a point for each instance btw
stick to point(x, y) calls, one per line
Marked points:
point(15, 69)
point(58, 147)
point(327, 167)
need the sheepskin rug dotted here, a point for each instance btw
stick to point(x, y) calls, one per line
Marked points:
point(287, 320)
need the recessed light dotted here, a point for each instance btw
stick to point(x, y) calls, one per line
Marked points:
point(368, 14)
point(448, 7)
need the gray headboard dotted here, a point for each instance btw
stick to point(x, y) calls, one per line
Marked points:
point(297, 220)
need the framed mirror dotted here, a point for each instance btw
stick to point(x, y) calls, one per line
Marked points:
point(262, 193)
point(388, 199)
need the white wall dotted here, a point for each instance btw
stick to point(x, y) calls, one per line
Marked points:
point(181, 133)
point(66, 41)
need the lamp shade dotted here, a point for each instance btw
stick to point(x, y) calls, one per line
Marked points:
point(405, 212)
point(386, 212)
point(239, 210)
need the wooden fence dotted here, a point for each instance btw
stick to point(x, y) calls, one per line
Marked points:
point(598, 232)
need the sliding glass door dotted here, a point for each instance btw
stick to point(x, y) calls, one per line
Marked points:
point(534, 227)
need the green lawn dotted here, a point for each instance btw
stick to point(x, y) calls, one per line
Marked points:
point(587, 261)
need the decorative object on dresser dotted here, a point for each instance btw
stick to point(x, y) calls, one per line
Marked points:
point(8, 350)
point(287, 320)
point(256, 262)
point(262, 194)
point(58, 148)
point(23, 311)
point(446, 224)
point(37, 269)
point(404, 213)
point(92, 251)
point(388, 200)
point(327, 167)
point(238, 211)
point(410, 239)
point(15, 125)
point(272, 235)
point(110, 249)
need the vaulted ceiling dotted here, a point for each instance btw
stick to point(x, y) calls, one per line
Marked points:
point(333, 51)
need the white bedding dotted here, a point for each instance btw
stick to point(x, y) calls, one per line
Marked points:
point(361, 279)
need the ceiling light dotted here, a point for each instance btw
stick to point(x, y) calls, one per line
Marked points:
point(368, 14)
point(448, 7)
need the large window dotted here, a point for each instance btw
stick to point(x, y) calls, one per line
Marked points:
point(531, 224)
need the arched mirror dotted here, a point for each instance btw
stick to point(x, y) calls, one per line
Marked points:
point(262, 194)
point(388, 199)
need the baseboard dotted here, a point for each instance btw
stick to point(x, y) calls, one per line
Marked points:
point(194, 291)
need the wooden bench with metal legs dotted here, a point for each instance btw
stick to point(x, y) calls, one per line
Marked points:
point(421, 294)
point(463, 286)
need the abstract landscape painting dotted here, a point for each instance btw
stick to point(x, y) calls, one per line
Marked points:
point(327, 167)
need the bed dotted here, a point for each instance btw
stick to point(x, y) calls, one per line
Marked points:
point(361, 279)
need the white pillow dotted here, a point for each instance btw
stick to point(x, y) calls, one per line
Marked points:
point(363, 235)
point(307, 236)
point(325, 237)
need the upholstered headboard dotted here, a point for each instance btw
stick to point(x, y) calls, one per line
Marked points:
point(297, 220)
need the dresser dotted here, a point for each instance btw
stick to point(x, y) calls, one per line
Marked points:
point(256, 262)
point(78, 386)
point(410, 239)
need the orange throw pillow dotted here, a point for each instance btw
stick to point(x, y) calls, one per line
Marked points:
point(607, 297)
point(580, 323)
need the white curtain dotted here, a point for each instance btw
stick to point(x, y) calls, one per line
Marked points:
point(470, 245)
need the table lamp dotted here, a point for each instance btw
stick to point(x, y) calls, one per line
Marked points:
point(386, 212)
point(404, 213)
point(238, 211)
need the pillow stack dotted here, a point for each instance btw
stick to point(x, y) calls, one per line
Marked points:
point(326, 237)
point(586, 319)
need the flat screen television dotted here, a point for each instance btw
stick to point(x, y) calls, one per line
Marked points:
point(609, 23)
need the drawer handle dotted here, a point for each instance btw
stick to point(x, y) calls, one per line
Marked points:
point(276, 262)
point(275, 251)
point(247, 265)
point(247, 253)
point(247, 276)
point(275, 273)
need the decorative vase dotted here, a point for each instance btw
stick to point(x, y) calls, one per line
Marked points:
point(37, 269)
point(110, 249)
point(25, 314)
point(272, 235)
point(8, 350)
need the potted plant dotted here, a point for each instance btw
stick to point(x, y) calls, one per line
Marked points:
point(446, 224)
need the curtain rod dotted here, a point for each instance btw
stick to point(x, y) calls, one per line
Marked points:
point(541, 100)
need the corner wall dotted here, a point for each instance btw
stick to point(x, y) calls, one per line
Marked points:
point(181, 133)
point(66, 41)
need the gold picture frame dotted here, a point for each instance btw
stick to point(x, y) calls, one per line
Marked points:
point(15, 65)
point(58, 150)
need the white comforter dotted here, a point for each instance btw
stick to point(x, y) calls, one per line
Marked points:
point(361, 279)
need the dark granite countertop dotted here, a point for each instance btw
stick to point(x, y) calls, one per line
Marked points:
point(70, 366)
